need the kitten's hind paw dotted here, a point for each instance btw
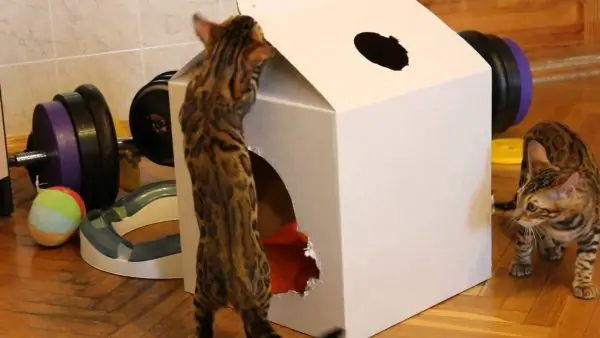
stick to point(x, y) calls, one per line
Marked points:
point(552, 254)
point(519, 269)
point(585, 291)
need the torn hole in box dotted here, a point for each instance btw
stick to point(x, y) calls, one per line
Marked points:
point(293, 261)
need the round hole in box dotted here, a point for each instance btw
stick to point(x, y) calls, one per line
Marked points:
point(383, 51)
point(291, 269)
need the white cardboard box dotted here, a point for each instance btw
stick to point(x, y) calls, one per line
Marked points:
point(6, 197)
point(389, 171)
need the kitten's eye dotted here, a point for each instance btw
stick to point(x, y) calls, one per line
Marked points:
point(531, 207)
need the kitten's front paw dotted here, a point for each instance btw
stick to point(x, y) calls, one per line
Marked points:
point(588, 291)
point(519, 269)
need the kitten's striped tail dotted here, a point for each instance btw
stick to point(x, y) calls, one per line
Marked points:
point(333, 333)
point(505, 206)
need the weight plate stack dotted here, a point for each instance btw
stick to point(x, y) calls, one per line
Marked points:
point(107, 141)
point(511, 78)
point(150, 120)
point(92, 188)
point(165, 75)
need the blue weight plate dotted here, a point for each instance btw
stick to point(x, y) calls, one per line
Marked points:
point(526, 80)
point(53, 133)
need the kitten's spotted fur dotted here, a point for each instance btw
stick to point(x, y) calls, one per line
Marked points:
point(557, 202)
point(232, 267)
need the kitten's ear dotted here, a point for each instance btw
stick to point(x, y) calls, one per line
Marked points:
point(261, 52)
point(537, 156)
point(568, 187)
point(207, 31)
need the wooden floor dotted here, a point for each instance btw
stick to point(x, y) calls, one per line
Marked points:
point(53, 293)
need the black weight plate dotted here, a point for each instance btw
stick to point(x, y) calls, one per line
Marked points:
point(164, 75)
point(150, 123)
point(162, 78)
point(499, 73)
point(92, 185)
point(513, 78)
point(161, 81)
point(107, 140)
point(480, 43)
point(168, 73)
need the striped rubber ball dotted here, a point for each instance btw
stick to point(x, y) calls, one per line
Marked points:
point(55, 215)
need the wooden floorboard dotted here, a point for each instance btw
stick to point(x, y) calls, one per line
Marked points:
point(53, 293)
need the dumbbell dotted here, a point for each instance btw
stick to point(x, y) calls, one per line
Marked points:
point(512, 83)
point(73, 143)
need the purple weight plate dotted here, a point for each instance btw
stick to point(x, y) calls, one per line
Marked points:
point(53, 133)
point(526, 80)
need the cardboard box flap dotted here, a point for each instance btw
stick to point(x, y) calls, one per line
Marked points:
point(318, 38)
point(281, 82)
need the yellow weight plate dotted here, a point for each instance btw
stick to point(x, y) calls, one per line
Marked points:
point(507, 151)
point(121, 132)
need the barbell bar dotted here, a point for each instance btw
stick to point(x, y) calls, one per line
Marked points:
point(31, 157)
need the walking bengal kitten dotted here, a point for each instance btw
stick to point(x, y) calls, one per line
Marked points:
point(232, 267)
point(557, 201)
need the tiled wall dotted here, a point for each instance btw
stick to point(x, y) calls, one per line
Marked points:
point(49, 46)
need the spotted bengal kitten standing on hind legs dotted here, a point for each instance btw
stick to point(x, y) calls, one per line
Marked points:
point(557, 203)
point(232, 267)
